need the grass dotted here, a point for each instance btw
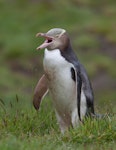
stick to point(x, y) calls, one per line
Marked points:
point(26, 129)
point(91, 25)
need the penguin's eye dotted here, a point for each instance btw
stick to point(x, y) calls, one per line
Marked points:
point(57, 36)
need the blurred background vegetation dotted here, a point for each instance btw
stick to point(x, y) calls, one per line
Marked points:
point(92, 28)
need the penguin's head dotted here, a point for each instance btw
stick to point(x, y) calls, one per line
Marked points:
point(55, 38)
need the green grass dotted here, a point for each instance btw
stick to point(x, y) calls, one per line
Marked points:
point(24, 128)
point(91, 25)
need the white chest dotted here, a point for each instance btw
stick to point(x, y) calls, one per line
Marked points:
point(61, 85)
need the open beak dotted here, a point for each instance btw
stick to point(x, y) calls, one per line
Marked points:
point(46, 43)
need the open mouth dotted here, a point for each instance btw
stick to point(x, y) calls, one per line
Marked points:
point(49, 40)
point(46, 43)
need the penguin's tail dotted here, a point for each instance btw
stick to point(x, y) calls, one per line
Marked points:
point(101, 116)
point(94, 115)
point(97, 116)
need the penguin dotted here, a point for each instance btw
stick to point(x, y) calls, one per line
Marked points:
point(66, 79)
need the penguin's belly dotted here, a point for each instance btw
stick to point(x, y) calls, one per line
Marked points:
point(61, 85)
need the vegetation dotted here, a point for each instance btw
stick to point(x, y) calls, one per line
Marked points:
point(26, 129)
point(91, 25)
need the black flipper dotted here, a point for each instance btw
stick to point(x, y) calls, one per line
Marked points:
point(77, 78)
point(79, 86)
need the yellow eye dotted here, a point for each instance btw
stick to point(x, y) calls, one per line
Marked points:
point(57, 35)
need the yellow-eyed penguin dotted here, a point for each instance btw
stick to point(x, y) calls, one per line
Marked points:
point(66, 80)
